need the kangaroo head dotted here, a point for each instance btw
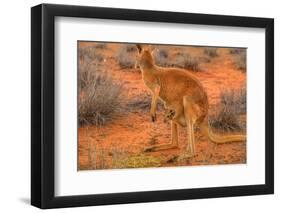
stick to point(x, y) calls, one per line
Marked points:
point(144, 59)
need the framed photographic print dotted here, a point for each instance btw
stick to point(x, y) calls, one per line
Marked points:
point(139, 106)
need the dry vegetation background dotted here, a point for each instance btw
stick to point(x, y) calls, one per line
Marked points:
point(114, 121)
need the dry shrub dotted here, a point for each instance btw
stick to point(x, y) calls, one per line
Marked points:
point(182, 60)
point(186, 61)
point(211, 52)
point(227, 115)
point(131, 48)
point(126, 56)
point(99, 101)
point(101, 46)
point(90, 55)
point(96, 157)
point(239, 58)
point(236, 50)
point(236, 99)
point(99, 96)
point(161, 58)
point(240, 61)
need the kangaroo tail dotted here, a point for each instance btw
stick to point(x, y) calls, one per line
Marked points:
point(219, 138)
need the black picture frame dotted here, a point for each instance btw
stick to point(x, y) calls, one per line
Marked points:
point(43, 102)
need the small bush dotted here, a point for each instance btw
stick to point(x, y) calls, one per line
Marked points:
point(99, 96)
point(161, 58)
point(239, 58)
point(211, 52)
point(101, 45)
point(187, 61)
point(86, 76)
point(235, 99)
point(89, 55)
point(99, 101)
point(182, 60)
point(96, 157)
point(131, 48)
point(236, 50)
point(126, 57)
point(240, 61)
point(232, 105)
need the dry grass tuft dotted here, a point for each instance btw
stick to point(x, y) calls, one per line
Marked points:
point(126, 56)
point(186, 61)
point(137, 161)
point(90, 55)
point(99, 95)
point(227, 115)
point(161, 57)
point(181, 60)
point(211, 52)
point(101, 46)
point(96, 157)
point(239, 58)
point(240, 61)
point(131, 48)
point(236, 50)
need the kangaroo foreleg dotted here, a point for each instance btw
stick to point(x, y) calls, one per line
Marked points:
point(155, 96)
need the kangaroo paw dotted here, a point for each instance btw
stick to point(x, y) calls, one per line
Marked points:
point(153, 118)
point(150, 149)
point(185, 157)
point(160, 147)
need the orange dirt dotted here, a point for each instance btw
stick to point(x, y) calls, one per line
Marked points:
point(132, 131)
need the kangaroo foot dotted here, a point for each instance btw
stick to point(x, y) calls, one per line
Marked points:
point(160, 147)
point(185, 157)
point(153, 117)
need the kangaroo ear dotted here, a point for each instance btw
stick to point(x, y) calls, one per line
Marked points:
point(151, 48)
point(139, 47)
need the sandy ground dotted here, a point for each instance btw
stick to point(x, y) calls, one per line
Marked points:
point(132, 131)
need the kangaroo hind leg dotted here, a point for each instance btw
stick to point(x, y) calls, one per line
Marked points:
point(171, 145)
point(190, 114)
